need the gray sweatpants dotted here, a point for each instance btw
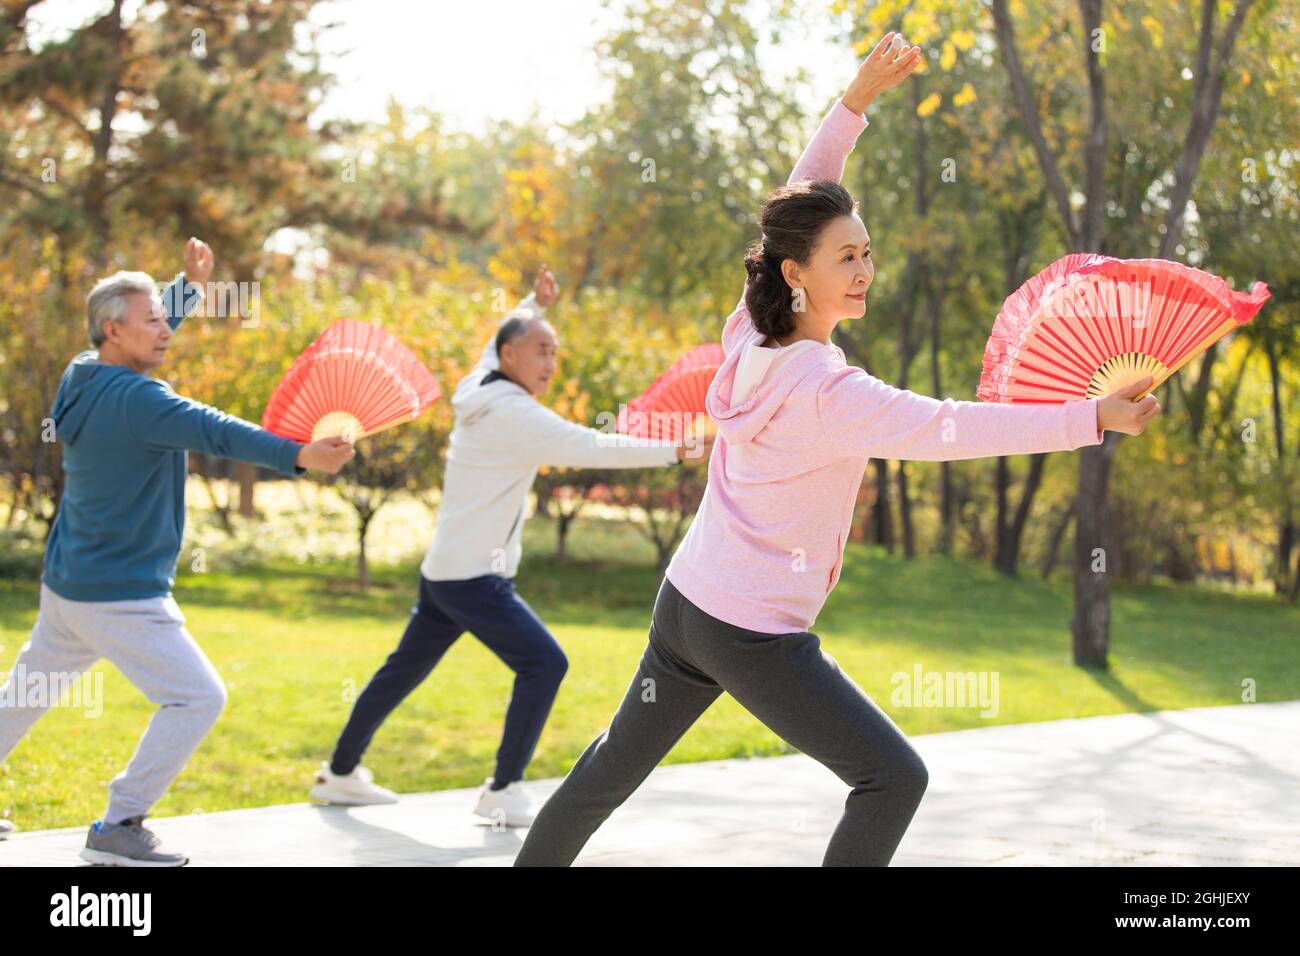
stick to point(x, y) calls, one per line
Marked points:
point(147, 641)
point(785, 680)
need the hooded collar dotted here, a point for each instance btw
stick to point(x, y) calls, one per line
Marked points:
point(471, 398)
point(84, 380)
point(786, 368)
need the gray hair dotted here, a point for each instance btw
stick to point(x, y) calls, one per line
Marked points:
point(107, 301)
point(516, 327)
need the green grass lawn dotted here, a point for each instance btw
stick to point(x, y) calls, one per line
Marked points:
point(293, 642)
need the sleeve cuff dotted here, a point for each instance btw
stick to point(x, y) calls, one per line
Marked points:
point(191, 293)
point(289, 461)
point(529, 305)
point(1081, 423)
point(845, 123)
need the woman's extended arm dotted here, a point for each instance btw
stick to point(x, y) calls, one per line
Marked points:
point(891, 62)
point(860, 414)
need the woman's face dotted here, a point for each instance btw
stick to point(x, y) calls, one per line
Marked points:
point(837, 275)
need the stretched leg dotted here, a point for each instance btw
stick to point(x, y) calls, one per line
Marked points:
point(52, 651)
point(798, 690)
point(147, 641)
point(490, 609)
point(429, 633)
point(667, 695)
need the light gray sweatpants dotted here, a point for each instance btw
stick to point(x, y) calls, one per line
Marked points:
point(785, 680)
point(147, 641)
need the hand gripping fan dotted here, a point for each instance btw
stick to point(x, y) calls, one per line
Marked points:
point(676, 399)
point(355, 380)
point(1089, 324)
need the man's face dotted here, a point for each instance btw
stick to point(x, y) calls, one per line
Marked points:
point(530, 359)
point(141, 339)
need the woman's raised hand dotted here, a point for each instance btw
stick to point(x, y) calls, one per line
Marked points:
point(889, 64)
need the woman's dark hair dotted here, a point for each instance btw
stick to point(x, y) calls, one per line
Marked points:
point(792, 219)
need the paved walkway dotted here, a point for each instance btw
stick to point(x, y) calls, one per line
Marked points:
point(1211, 786)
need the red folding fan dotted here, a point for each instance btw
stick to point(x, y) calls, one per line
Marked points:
point(354, 380)
point(1089, 324)
point(676, 399)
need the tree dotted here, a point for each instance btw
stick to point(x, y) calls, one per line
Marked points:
point(1091, 621)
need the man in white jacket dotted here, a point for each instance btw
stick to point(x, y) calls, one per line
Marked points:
point(501, 437)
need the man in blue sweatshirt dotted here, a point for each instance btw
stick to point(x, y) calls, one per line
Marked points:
point(110, 561)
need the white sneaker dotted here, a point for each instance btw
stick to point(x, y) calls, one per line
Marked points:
point(356, 789)
point(6, 828)
point(509, 806)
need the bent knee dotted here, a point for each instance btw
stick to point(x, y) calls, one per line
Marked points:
point(901, 772)
point(911, 774)
point(556, 666)
point(209, 699)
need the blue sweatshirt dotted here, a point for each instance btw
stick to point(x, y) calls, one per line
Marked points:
point(125, 437)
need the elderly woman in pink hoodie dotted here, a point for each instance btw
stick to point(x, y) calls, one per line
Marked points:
point(796, 428)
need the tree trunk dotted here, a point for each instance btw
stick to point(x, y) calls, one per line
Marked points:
point(1286, 520)
point(1002, 478)
point(1285, 546)
point(562, 522)
point(1091, 621)
point(934, 305)
point(94, 198)
point(1012, 533)
point(247, 477)
point(204, 467)
point(915, 282)
point(363, 565)
point(905, 512)
point(880, 516)
point(1054, 543)
point(13, 502)
point(1179, 566)
point(1020, 234)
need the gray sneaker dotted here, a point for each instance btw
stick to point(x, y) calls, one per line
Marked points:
point(6, 828)
point(128, 844)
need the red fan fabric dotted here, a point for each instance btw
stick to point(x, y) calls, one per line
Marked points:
point(676, 399)
point(1089, 324)
point(353, 369)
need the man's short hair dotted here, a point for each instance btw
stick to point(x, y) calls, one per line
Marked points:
point(107, 301)
point(515, 327)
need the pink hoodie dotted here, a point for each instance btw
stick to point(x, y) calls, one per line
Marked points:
point(766, 547)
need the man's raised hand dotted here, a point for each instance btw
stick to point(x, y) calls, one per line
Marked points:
point(198, 261)
point(545, 289)
point(890, 63)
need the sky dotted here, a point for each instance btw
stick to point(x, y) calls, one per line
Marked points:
point(485, 59)
point(479, 61)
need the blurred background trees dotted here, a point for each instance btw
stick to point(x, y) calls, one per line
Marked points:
point(150, 124)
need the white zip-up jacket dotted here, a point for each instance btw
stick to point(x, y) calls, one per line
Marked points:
point(501, 437)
